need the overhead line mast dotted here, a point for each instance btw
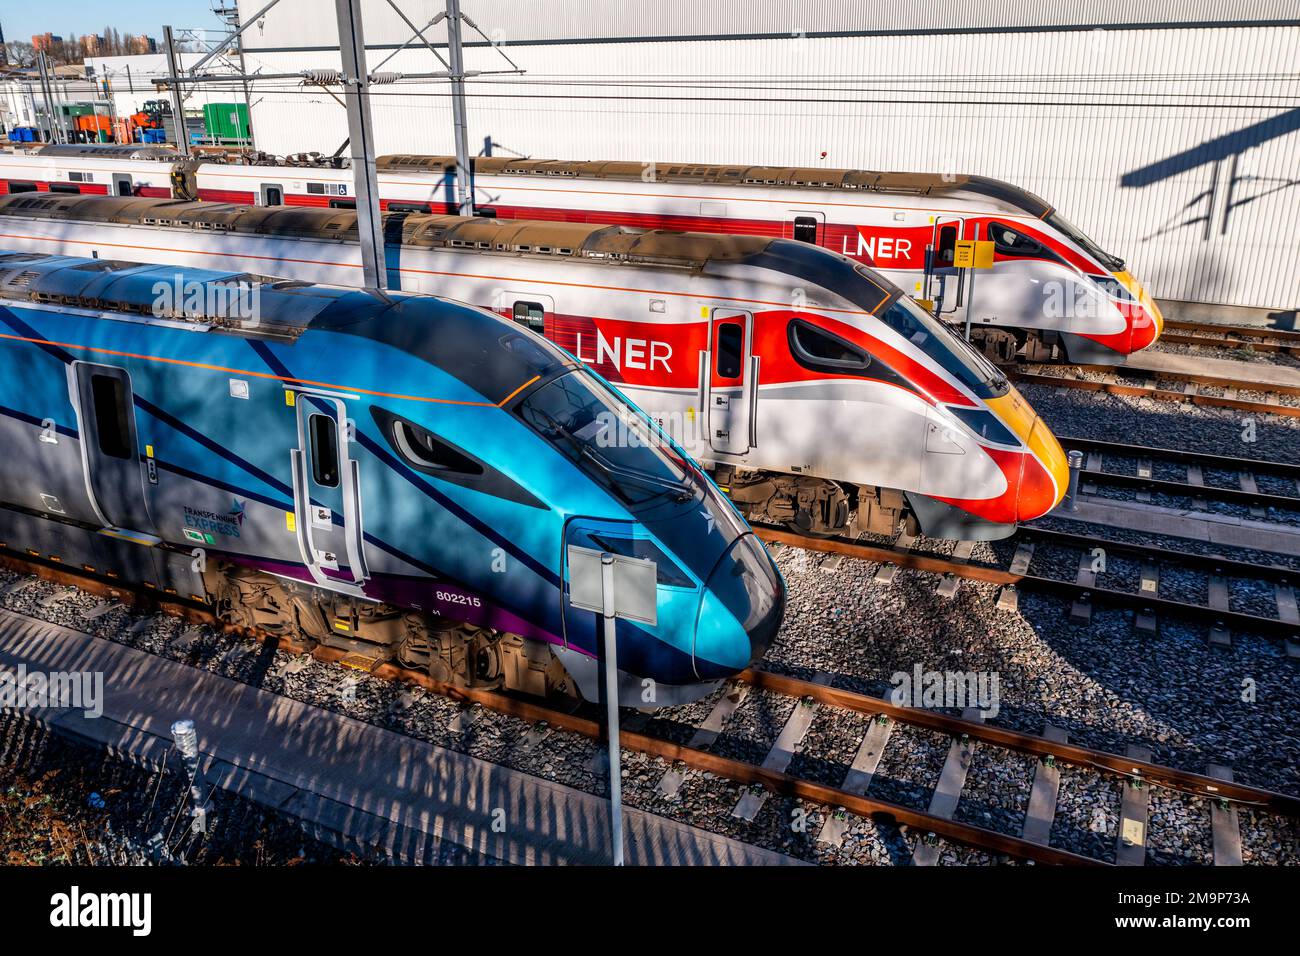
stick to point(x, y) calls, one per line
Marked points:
point(356, 79)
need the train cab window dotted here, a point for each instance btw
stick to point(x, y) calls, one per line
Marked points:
point(667, 572)
point(985, 424)
point(531, 315)
point(409, 207)
point(324, 434)
point(821, 351)
point(15, 187)
point(805, 229)
point(1009, 242)
point(65, 188)
point(730, 351)
point(947, 248)
point(425, 451)
point(343, 204)
point(272, 196)
point(113, 429)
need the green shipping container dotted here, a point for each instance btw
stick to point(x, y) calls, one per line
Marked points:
point(225, 122)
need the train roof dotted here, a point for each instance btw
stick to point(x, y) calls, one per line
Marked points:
point(488, 353)
point(285, 308)
point(108, 151)
point(914, 184)
point(578, 240)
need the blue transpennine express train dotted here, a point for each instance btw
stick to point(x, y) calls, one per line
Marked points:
point(397, 475)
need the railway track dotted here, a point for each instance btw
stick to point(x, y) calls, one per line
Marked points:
point(1206, 390)
point(1212, 335)
point(1088, 587)
point(1257, 484)
point(1134, 771)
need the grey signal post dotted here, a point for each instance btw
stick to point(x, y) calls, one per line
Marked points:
point(613, 586)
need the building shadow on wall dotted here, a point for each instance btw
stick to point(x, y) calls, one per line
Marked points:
point(1210, 210)
point(1242, 190)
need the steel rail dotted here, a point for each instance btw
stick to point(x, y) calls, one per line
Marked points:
point(1226, 462)
point(1210, 342)
point(1187, 489)
point(1165, 395)
point(1242, 331)
point(1269, 627)
point(1212, 563)
point(1194, 783)
point(774, 781)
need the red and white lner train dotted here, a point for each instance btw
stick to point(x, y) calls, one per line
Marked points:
point(1051, 290)
point(821, 396)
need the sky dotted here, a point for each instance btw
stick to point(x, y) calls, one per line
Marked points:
point(22, 18)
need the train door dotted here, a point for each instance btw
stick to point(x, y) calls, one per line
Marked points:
point(807, 226)
point(122, 185)
point(110, 452)
point(729, 382)
point(327, 495)
point(943, 280)
point(272, 194)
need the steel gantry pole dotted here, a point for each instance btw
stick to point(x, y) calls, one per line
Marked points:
point(356, 95)
point(47, 94)
point(178, 102)
point(464, 190)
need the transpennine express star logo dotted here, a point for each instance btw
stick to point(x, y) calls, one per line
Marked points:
point(236, 513)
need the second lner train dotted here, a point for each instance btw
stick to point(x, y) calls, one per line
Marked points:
point(819, 394)
point(1051, 291)
point(396, 475)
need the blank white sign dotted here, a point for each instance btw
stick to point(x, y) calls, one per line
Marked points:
point(634, 585)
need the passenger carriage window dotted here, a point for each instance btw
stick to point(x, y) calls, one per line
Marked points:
point(531, 315)
point(821, 351)
point(409, 207)
point(324, 450)
point(805, 229)
point(731, 348)
point(21, 187)
point(111, 423)
point(343, 204)
point(485, 213)
point(425, 451)
point(65, 188)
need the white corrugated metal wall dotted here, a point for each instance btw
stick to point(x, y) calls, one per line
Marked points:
point(1178, 148)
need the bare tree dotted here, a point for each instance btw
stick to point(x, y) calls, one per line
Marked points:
point(21, 53)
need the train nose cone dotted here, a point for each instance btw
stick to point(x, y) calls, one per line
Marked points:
point(1044, 471)
point(741, 611)
point(1146, 322)
point(1044, 474)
